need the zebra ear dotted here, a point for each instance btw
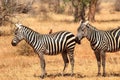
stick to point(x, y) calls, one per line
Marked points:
point(18, 25)
point(86, 22)
point(82, 21)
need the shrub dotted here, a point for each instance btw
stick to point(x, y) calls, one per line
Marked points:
point(6, 10)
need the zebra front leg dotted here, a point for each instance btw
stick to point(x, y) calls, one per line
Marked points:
point(71, 57)
point(98, 57)
point(103, 62)
point(43, 65)
point(66, 61)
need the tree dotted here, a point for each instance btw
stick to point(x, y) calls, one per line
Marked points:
point(80, 7)
point(54, 5)
point(9, 7)
point(92, 10)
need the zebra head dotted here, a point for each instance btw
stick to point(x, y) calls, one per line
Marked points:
point(18, 35)
point(82, 30)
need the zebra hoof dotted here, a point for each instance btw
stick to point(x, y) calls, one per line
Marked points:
point(99, 74)
point(45, 73)
point(72, 75)
point(104, 75)
point(62, 74)
point(42, 76)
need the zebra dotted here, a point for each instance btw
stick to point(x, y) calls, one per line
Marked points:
point(100, 41)
point(48, 44)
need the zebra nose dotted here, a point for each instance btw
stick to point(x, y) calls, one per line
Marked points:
point(13, 43)
point(77, 40)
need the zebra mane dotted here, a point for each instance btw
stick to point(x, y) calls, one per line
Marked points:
point(40, 33)
point(30, 29)
point(91, 27)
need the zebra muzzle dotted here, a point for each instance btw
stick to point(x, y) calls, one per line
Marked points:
point(77, 40)
point(13, 43)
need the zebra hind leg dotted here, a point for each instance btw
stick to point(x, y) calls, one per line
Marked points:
point(71, 58)
point(66, 61)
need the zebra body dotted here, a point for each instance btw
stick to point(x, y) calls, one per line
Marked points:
point(100, 41)
point(108, 41)
point(50, 44)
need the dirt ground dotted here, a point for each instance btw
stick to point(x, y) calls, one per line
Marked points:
point(18, 67)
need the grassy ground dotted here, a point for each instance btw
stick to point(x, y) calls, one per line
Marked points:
point(17, 67)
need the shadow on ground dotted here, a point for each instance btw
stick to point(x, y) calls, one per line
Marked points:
point(78, 75)
point(114, 74)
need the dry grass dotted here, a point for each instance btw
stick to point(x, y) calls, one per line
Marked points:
point(16, 67)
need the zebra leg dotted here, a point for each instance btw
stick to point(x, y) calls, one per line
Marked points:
point(103, 62)
point(42, 62)
point(98, 57)
point(66, 61)
point(71, 57)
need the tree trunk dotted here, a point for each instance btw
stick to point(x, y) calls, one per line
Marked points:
point(76, 15)
point(82, 11)
point(79, 13)
point(92, 9)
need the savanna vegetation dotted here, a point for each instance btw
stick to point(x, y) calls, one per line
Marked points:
point(21, 63)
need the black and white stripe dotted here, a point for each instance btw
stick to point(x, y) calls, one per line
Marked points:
point(49, 44)
point(101, 41)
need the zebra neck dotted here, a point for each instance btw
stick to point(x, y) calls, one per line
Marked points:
point(92, 37)
point(31, 38)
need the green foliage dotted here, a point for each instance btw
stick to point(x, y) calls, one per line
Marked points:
point(78, 2)
point(61, 9)
point(66, 0)
point(79, 6)
point(86, 2)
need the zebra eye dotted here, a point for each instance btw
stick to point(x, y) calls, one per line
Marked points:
point(15, 33)
point(83, 29)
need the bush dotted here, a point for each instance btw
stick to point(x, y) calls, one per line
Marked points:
point(6, 10)
point(9, 7)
